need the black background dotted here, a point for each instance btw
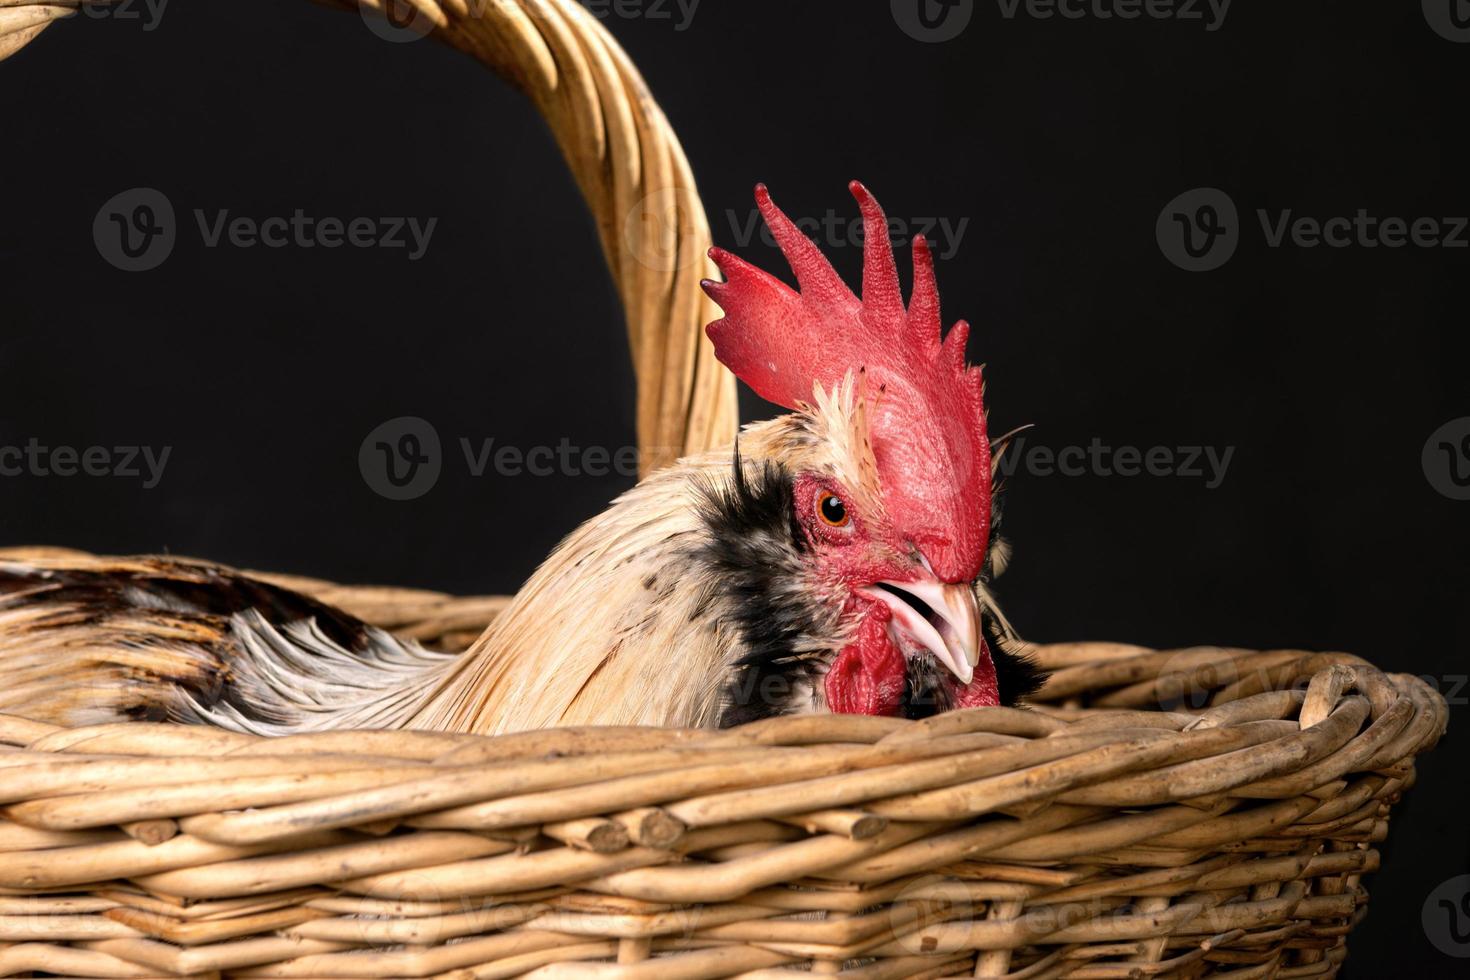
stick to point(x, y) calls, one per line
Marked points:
point(1058, 140)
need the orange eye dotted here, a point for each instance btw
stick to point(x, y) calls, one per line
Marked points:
point(832, 510)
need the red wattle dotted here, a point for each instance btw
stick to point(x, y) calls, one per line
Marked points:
point(867, 678)
point(983, 691)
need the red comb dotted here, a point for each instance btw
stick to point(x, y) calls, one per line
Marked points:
point(928, 419)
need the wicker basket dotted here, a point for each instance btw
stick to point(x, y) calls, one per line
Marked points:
point(1175, 813)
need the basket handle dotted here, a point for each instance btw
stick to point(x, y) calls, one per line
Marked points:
point(629, 166)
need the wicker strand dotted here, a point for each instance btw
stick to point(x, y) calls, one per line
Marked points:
point(854, 846)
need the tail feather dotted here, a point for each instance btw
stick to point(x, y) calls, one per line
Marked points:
point(87, 640)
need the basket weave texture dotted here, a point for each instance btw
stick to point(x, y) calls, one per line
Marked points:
point(1178, 813)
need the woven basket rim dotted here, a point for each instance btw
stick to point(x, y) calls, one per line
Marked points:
point(1091, 825)
point(1203, 810)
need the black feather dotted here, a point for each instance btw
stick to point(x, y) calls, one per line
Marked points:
point(754, 550)
point(1016, 675)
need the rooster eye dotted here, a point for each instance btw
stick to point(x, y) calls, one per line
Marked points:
point(832, 510)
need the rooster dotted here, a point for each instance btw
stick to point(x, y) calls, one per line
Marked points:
point(838, 558)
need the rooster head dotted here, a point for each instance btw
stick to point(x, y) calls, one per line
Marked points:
point(886, 459)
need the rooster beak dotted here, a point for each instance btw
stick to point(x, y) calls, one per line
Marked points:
point(945, 620)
